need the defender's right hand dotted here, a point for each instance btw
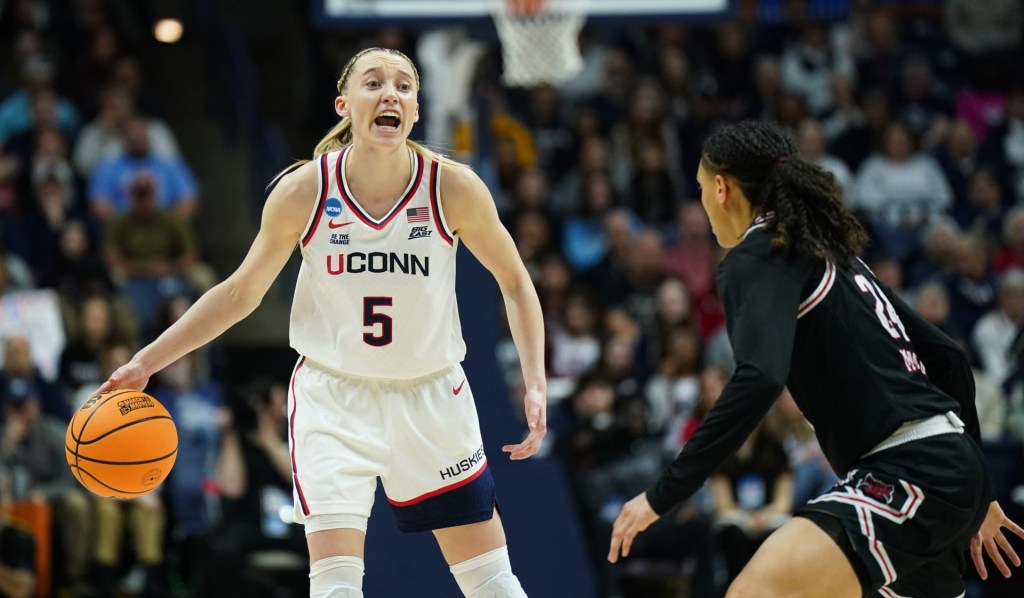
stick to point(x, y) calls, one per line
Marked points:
point(991, 537)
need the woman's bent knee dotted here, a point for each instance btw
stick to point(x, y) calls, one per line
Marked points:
point(751, 585)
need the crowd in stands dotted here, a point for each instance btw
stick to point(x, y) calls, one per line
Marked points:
point(916, 108)
point(98, 254)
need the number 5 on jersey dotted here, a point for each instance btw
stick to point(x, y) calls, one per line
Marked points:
point(372, 318)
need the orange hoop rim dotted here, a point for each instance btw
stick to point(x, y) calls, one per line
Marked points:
point(526, 8)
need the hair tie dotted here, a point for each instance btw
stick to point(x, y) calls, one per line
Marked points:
point(782, 159)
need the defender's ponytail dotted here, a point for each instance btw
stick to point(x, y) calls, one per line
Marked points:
point(803, 199)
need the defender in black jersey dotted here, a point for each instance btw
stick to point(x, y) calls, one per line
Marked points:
point(891, 397)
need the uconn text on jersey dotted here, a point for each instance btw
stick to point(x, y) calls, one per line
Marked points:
point(378, 262)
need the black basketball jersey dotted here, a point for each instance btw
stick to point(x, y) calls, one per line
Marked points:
point(858, 361)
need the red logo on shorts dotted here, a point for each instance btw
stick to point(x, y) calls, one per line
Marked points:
point(458, 389)
point(876, 489)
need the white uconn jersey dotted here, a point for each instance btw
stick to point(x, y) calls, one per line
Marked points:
point(376, 298)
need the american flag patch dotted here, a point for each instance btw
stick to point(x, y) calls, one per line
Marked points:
point(417, 214)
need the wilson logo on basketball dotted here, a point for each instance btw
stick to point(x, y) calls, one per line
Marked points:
point(90, 402)
point(151, 477)
point(128, 405)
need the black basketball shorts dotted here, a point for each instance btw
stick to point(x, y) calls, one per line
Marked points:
point(905, 516)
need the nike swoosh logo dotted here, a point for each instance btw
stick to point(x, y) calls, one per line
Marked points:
point(458, 389)
point(331, 224)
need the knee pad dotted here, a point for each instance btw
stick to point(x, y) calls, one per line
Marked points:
point(500, 585)
point(488, 575)
point(319, 523)
point(336, 577)
point(340, 592)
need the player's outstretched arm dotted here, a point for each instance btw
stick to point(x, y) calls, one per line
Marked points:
point(991, 537)
point(470, 212)
point(284, 217)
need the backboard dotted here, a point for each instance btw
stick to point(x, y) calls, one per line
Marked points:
point(344, 13)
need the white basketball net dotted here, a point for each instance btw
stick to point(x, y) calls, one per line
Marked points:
point(542, 47)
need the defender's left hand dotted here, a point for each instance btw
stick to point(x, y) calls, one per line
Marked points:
point(535, 404)
point(991, 537)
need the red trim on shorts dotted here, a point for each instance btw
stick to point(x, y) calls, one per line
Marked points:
point(291, 432)
point(875, 546)
point(885, 561)
point(320, 202)
point(905, 512)
point(439, 491)
point(435, 203)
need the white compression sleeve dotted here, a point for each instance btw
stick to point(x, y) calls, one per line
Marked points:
point(336, 577)
point(488, 575)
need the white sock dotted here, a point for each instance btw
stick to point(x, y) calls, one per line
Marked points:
point(336, 577)
point(488, 575)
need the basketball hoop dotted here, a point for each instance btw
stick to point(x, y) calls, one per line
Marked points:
point(539, 39)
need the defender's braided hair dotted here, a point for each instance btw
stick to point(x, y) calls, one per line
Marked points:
point(808, 216)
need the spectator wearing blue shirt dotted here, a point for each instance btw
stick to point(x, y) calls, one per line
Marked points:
point(196, 406)
point(16, 109)
point(109, 186)
point(199, 414)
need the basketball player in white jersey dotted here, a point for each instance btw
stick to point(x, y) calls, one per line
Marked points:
point(378, 390)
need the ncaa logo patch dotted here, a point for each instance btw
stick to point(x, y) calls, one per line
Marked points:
point(332, 207)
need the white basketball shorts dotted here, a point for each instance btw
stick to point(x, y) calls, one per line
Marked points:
point(421, 437)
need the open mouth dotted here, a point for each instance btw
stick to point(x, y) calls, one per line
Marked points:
point(388, 121)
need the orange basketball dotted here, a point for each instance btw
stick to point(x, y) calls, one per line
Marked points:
point(121, 443)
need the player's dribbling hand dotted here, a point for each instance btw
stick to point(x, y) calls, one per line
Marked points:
point(130, 375)
point(535, 404)
point(991, 537)
point(636, 516)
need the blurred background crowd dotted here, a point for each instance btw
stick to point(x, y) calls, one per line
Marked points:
point(131, 178)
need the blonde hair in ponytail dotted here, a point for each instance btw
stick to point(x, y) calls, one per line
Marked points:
point(340, 135)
